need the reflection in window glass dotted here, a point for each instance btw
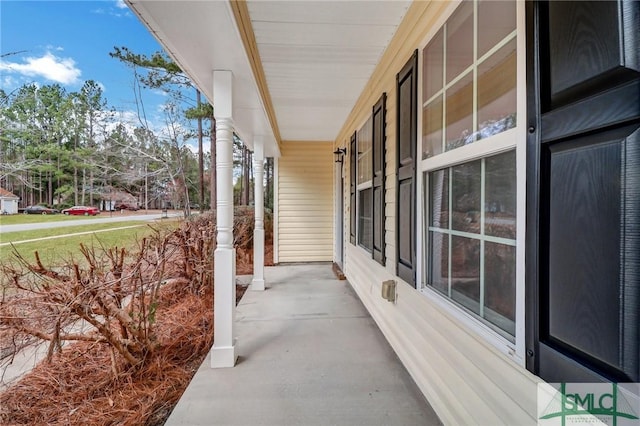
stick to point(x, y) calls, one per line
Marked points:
point(365, 226)
point(471, 254)
point(432, 124)
point(500, 196)
point(433, 61)
point(459, 112)
point(439, 261)
point(496, 20)
point(479, 87)
point(459, 40)
point(466, 197)
point(500, 285)
point(364, 152)
point(497, 92)
point(465, 272)
point(439, 201)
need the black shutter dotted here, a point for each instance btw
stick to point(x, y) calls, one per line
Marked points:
point(406, 89)
point(583, 191)
point(378, 158)
point(352, 187)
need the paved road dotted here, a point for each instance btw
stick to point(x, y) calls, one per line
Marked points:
point(84, 221)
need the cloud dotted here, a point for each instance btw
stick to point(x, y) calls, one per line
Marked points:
point(160, 92)
point(101, 86)
point(119, 11)
point(48, 66)
point(8, 82)
point(129, 117)
point(56, 48)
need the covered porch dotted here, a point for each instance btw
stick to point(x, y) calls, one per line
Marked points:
point(309, 354)
point(283, 77)
point(332, 91)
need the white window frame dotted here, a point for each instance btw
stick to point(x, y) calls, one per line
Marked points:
point(514, 138)
point(365, 184)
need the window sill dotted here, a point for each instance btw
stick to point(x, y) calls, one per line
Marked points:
point(473, 326)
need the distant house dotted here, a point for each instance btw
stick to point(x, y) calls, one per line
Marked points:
point(8, 202)
point(112, 200)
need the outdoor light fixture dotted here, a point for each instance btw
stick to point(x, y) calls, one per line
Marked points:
point(339, 153)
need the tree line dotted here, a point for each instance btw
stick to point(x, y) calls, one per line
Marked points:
point(63, 148)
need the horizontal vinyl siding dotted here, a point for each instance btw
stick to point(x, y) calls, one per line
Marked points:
point(305, 202)
point(465, 378)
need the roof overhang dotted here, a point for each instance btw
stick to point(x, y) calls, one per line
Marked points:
point(298, 66)
point(201, 37)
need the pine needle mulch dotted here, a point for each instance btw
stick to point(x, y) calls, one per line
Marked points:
point(78, 387)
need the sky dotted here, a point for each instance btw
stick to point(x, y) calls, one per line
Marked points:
point(68, 42)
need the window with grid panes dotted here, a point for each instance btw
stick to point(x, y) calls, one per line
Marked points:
point(469, 97)
point(364, 186)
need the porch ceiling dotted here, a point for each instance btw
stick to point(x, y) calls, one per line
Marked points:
point(298, 66)
point(318, 56)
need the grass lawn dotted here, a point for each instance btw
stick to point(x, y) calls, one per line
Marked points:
point(9, 237)
point(15, 219)
point(54, 250)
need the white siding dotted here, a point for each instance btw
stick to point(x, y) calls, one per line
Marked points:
point(305, 202)
point(466, 379)
point(8, 205)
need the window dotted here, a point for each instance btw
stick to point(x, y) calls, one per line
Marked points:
point(469, 84)
point(364, 188)
point(369, 145)
point(469, 135)
point(471, 234)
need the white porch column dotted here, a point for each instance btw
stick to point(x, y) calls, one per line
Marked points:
point(223, 353)
point(258, 231)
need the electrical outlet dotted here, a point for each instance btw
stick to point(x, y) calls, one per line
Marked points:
point(389, 290)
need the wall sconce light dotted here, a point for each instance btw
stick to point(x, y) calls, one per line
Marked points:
point(339, 153)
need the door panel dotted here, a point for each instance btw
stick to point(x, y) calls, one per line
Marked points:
point(583, 226)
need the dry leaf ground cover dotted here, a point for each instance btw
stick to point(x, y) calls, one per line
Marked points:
point(79, 385)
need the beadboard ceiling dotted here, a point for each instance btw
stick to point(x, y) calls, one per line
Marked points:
point(315, 56)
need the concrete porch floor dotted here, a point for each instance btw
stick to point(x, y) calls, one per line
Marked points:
point(310, 354)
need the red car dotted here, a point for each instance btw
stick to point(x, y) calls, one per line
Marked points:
point(81, 211)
